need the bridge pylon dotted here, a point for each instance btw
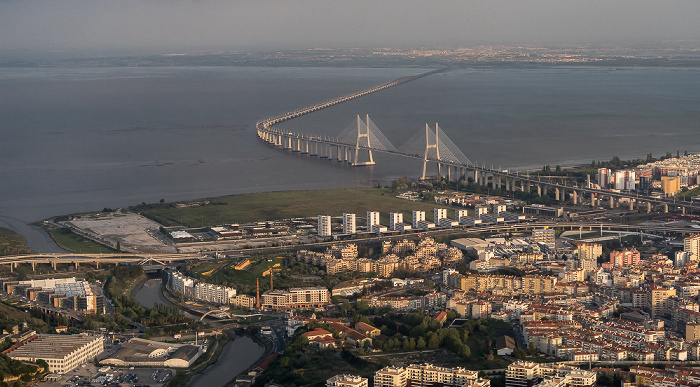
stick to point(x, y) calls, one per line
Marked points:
point(360, 136)
point(429, 146)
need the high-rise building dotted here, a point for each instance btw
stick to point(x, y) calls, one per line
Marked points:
point(418, 216)
point(478, 211)
point(604, 177)
point(498, 208)
point(691, 245)
point(439, 213)
point(395, 219)
point(625, 180)
point(588, 254)
point(692, 332)
point(658, 300)
point(624, 258)
point(349, 223)
point(459, 214)
point(670, 185)
point(589, 250)
point(324, 225)
point(372, 219)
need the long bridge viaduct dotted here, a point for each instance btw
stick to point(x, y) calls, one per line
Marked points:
point(436, 147)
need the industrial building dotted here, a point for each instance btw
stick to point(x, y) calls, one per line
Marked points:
point(61, 352)
point(146, 353)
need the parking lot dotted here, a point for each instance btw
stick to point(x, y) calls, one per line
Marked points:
point(89, 375)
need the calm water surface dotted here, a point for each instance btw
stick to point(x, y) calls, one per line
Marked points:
point(88, 138)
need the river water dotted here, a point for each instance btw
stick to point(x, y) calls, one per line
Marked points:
point(81, 139)
point(235, 358)
point(237, 355)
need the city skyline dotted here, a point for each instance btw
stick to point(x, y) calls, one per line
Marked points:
point(210, 25)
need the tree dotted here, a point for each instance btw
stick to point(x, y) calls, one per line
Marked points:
point(420, 344)
point(464, 351)
point(434, 342)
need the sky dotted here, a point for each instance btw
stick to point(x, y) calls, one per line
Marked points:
point(188, 25)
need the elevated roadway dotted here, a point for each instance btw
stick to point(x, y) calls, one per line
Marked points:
point(324, 147)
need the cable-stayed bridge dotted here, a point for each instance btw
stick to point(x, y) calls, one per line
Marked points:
point(357, 142)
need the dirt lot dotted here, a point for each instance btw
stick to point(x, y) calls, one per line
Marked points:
point(132, 231)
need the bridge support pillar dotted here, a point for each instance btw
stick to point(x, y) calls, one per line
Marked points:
point(612, 202)
point(593, 200)
point(539, 190)
point(527, 185)
point(12, 267)
point(545, 190)
point(556, 194)
point(683, 210)
point(476, 176)
point(97, 265)
point(631, 204)
point(574, 197)
point(33, 266)
point(507, 184)
point(77, 265)
point(648, 207)
point(665, 208)
point(53, 264)
point(369, 150)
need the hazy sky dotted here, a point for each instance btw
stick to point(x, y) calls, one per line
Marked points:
point(276, 24)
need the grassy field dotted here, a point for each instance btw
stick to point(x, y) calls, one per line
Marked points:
point(12, 243)
point(70, 241)
point(248, 208)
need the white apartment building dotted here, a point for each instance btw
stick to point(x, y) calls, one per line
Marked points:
point(295, 298)
point(438, 214)
point(372, 219)
point(324, 225)
point(395, 219)
point(349, 224)
point(625, 180)
point(691, 245)
point(61, 352)
point(191, 288)
point(604, 177)
point(424, 375)
point(459, 214)
point(216, 294)
point(498, 208)
point(181, 283)
point(347, 381)
point(478, 211)
point(418, 216)
point(390, 377)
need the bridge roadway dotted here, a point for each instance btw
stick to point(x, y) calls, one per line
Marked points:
point(268, 122)
point(483, 175)
point(77, 258)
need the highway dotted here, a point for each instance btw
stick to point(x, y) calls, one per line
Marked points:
point(414, 234)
